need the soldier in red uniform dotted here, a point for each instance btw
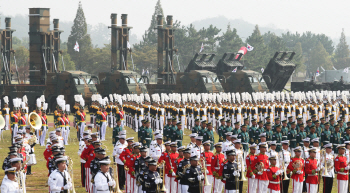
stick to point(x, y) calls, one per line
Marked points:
point(127, 152)
point(217, 159)
point(170, 169)
point(44, 128)
point(341, 166)
point(296, 166)
point(260, 164)
point(130, 163)
point(274, 175)
point(312, 169)
point(207, 157)
point(89, 149)
point(252, 181)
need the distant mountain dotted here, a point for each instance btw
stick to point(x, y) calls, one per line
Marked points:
point(244, 28)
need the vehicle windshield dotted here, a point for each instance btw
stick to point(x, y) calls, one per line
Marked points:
point(262, 80)
point(255, 79)
point(76, 81)
point(131, 79)
point(140, 80)
point(250, 79)
point(216, 79)
point(90, 81)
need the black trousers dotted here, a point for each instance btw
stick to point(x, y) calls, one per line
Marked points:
point(121, 176)
point(285, 184)
point(83, 174)
point(29, 169)
point(327, 184)
point(304, 184)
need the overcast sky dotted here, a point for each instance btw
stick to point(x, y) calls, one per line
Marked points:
point(318, 16)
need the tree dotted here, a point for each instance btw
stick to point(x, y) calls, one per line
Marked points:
point(68, 63)
point(274, 43)
point(342, 50)
point(150, 36)
point(211, 37)
point(298, 58)
point(259, 57)
point(145, 58)
point(229, 41)
point(79, 34)
point(319, 57)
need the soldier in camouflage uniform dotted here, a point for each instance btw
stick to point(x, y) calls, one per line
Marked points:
point(196, 127)
point(209, 135)
point(326, 135)
point(301, 135)
point(178, 135)
point(221, 130)
point(252, 130)
point(277, 136)
point(244, 136)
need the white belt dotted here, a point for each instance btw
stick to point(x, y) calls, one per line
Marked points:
point(208, 165)
point(342, 173)
point(293, 139)
point(217, 168)
point(272, 182)
point(82, 161)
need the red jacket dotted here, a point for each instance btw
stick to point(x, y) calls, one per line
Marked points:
point(208, 158)
point(249, 163)
point(217, 160)
point(126, 151)
point(163, 158)
point(258, 159)
point(90, 156)
point(295, 176)
point(310, 170)
point(130, 163)
point(340, 163)
point(171, 167)
point(48, 153)
point(274, 180)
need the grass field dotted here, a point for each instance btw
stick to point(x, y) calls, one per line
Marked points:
point(37, 181)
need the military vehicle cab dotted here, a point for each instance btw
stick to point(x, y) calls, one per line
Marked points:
point(198, 81)
point(121, 82)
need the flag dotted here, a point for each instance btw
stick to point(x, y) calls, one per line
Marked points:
point(128, 45)
point(317, 72)
point(346, 70)
point(334, 68)
point(202, 48)
point(242, 50)
point(262, 70)
point(234, 70)
point(249, 48)
point(76, 47)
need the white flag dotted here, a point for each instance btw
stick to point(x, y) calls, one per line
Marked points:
point(76, 47)
point(249, 48)
point(202, 48)
point(128, 45)
point(262, 70)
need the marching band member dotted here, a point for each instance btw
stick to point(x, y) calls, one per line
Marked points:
point(9, 183)
point(118, 149)
point(341, 166)
point(206, 156)
point(127, 152)
point(252, 181)
point(140, 165)
point(151, 178)
point(329, 160)
point(297, 167)
point(181, 169)
point(103, 180)
point(230, 173)
point(312, 169)
point(260, 164)
point(239, 159)
point(274, 175)
point(285, 157)
point(194, 176)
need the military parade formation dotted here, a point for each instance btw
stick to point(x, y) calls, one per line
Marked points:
point(272, 141)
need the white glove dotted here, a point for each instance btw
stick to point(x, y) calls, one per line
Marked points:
point(238, 174)
point(347, 167)
point(111, 183)
point(202, 177)
point(19, 191)
point(66, 187)
point(159, 180)
point(207, 171)
point(253, 176)
point(260, 173)
point(199, 178)
point(299, 172)
point(173, 174)
point(317, 169)
point(278, 172)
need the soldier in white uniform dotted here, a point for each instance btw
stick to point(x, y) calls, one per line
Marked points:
point(262, 140)
point(273, 152)
point(227, 143)
point(9, 184)
point(158, 148)
point(153, 142)
point(328, 179)
point(103, 180)
point(285, 157)
point(193, 140)
point(198, 148)
point(60, 180)
point(316, 143)
point(118, 149)
point(239, 158)
point(305, 148)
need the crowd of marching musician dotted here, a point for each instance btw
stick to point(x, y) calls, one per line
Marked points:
point(266, 139)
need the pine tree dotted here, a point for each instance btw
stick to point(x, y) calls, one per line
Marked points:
point(298, 58)
point(319, 57)
point(259, 57)
point(342, 50)
point(79, 34)
point(229, 41)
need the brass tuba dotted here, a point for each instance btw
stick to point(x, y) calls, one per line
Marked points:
point(34, 121)
point(2, 122)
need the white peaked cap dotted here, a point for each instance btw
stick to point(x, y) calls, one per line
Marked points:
point(38, 102)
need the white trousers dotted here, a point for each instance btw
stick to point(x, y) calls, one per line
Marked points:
point(217, 185)
point(82, 128)
point(128, 182)
point(297, 186)
point(252, 185)
point(342, 186)
point(7, 122)
point(161, 123)
point(273, 191)
point(170, 184)
point(184, 188)
point(262, 186)
point(87, 180)
point(43, 136)
point(103, 130)
point(231, 191)
point(68, 131)
point(207, 189)
point(311, 188)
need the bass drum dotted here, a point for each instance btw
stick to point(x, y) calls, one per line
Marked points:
point(32, 160)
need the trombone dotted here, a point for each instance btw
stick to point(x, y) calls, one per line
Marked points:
point(243, 173)
point(70, 171)
point(117, 189)
point(284, 167)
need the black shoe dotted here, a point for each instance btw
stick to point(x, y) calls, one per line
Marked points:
point(122, 188)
